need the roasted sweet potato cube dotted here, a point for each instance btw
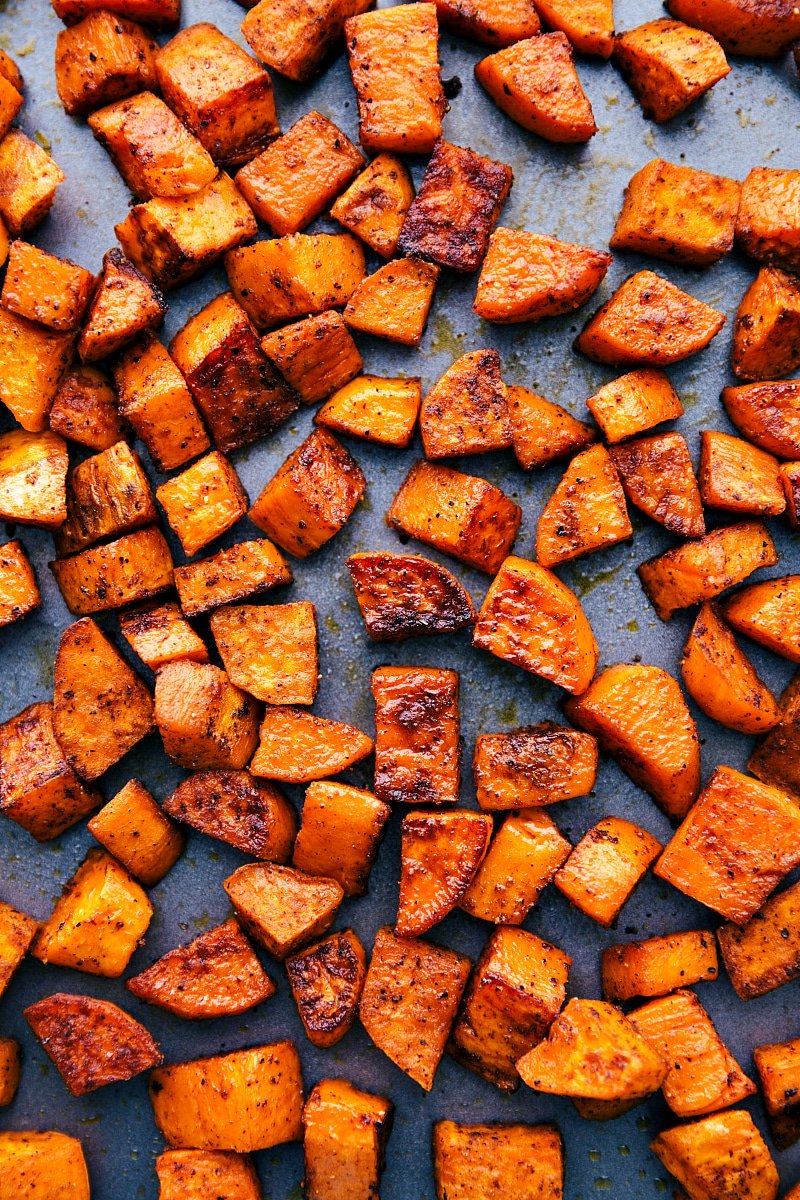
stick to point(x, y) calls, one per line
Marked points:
point(250, 814)
point(514, 994)
point(297, 42)
point(339, 835)
point(222, 94)
point(658, 477)
point(778, 1066)
point(134, 829)
point(776, 759)
point(394, 302)
point(204, 720)
point(634, 403)
point(410, 999)
point(129, 570)
point(102, 916)
point(417, 753)
point(767, 414)
point(721, 679)
point(17, 931)
point(535, 83)
point(236, 573)
point(203, 501)
point(10, 1070)
point(605, 867)
point(161, 635)
point(125, 304)
point(668, 65)
point(542, 431)
point(532, 619)
point(10, 71)
point(766, 334)
point(107, 494)
point(51, 1163)
point(32, 363)
point(297, 747)
point(206, 1174)
point(767, 225)
point(701, 570)
point(154, 397)
point(527, 276)
point(19, 593)
point(533, 766)
point(440, 854)
point(10, 104)
point(493, 22)
point(720, 1152)
point(589, 24)
point(345, 1136)
point(402, 595)
point(172, 239)
point(29, 180)
point(44, 288)
point(215, 975)
point(466, 411)
point(270, 651)
point(375, 204)
point(790, 481)
point(246, 1100)
point(158, 13)
point(659, 965)
point(282, 908)
point(738, 477)
point(85, 409)
point(472, 1161)
point(764, 953)
point(374, 409)
point(742, 27)
point(33, 476)
point(769, 613)
point(524, 856)
point(316, 356)
point(456, 208)
point(586, 512)
point(326, 981)
point(311, 497)
point(102, 59)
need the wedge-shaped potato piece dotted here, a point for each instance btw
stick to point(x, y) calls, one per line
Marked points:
point(205, 721)
point(703, 1075)
point(776, 758)
point(205, 1175)
point(701, 570)
point(737, 477)
point(659, 965)
point(456, 208)
point(402, 595)
point(133, 568)
point(32, 363)
point(778, 1066)
point(741, 26)
point(29, 180)
point(10, 1070)
point(764, 953)
point(535, 83)
point(542, 431)
point(247, 1100)
point(101, 59)
point(17, 931)
point(769, 613)
point(10, 71)
point(440, 854)
point(658, 477)
point(107, 494)
point(326, 982)
point(155, 399)
point(174, 238)
point(215, 975)
point(85, 409)
point(134, 829)
point(527, 276)
point(461, 515)
point(394, 302)
point(316, 356)
point(766, 334)
point(524, 856)
point(589, 24)
point(514, 994)
point(532, 619)
point(767, 225)
point(19, 593)
point(374, 409)
point(48, 1165)
point(417, 750)
point(159, 13)
point(161, 635)
point(101, 708)
point(125, 304)
point(43, 288)
point(297, 747)
point(472, 1161)
point(532, 766)
point(634, 403)
point(101, 918)
point(270, 651)
point(376, 202)
point(721, 679)
point(495, 23)
point(91, 1042)
point(203, 501)
point(668, 65)
point(586, 512)
point(720, 1156)
point(236, 573)
point(639, 716)
point(339, 835)
point(230, 110)
point(410, 999)
point(767, 414)
point(297, 42)
point(250, 814)
point(466, 411)
point(345, 1136)
point(282, 908)
point(605, 867)
point(790, 480)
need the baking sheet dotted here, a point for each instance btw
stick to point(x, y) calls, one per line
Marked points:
point(750, 118)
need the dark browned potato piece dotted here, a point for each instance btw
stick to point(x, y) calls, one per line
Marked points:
point(326, 982)
point(107, 495)
point(404, 595)
point(247, 813)
point(417, 754)
point(440, 854)
point(282, 908)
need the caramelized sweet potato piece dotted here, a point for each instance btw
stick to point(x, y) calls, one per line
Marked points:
point(297, 42)
point(466, 411)
point(767, 226)
point(17, 931)
point(493, 22)
point(32, 363)
point(33, 476)
point(658, 477)
point(340, 833)
point(718, 1153)
point(316, 356)
point(345, 1136)
point(10, 1070)
point(154, 397)
point(721, 679)
point(605, 867)
point(206, 1174)
point(521, 861)
point(533, 766)
point(43, 288)
point(215, 975)
point(790, 481)
point(766, 334)
point(237, 573)
point(586, 512)
point(769, 613)
point(394, 302)
point(51, 1164)
point(375, 204)
point(402, 595)
point(374, 409)
point(542, 431)
point(282, 908)
point(659, 965)
point(102, 59)
point(738, 477)
point(134, 829)
point(634, 403)
point(161, 635)
point(107, 495)
point(85, 409)
point(748, 27)
point(440, 854)
point(668, 65)
point(158, 13)
point(778, 1066)
point(203, 501)
point(297, 747)
point(29, 180)
point(764, 953)
point(526, 277)
point(270, 651)
point(776, 758)
point(417, 747)
point(125, 304)
point(532, 619)
point(410, 1000)
point(767, 414)
point(10, 104)
point(471, 1161)
point(204, 720)
point(250, 814)
point(19, 594)
point(589, 24)
point(326, 981)
point(133, 568)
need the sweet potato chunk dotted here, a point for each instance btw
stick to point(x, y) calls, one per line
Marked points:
point(374, 409)
point(10, 1070)
point(533, 766)
point(215, 975)
point(764, 953)
point(776, 759)
point(32, 363)
point(43, 288)
point(440, 854)
point(634, 403)
point(204, 720)
point(402, 595)
point(394, 302)
point(236, 573)
point(33, 474)
point(466, 411)
point(410, 1000)
point(586, 512)
point(17, 931)
point(99, 921)
point(205, 1175)
point(471, 1161)
point(790, 481)
point(769, 613)
point(282, 908)
point(719, 1156)
point(542, 431)
point(605, 867)
point(294, 41)
point(668, 65)
point(417, 747)
point(493, 22)
point(161, 635)
point(698, 571)
point(134, 829)
point(746, 27)
point(125, 304)
point(107, 495)
point(526, 277)
point(340, 833)
point(102, 59)
point(133, 568)
point(778, 1066)
point(49, 1166)
point(154, 397)
point(10, 104)
point(456, 208)
point(658, 477)
point(738, 477)
point(247, 1100)
point(766, 335)
point(29, 180)
point(250, 814)
point(721, 679)
point(375, 204)
point(85, 409)
point(326, 981)
point(159, 13)
point(19, 594)
point(767, 225)
point(524, 856)
point(316, 356)
point(659, 965)
point(346, 1131)
point(203, 501)
point(767, 414)
point(297, 747)
point(532, 619)
point(514, 994)
point(270, 651)
point(589, 24)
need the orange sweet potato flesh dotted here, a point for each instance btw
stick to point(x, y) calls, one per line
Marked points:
point(235, 573)
point(297, 747)
point(375, 204)
point(634, 403)
point(204, 720)
point(471, 1160)
point(659, 965)
point(17, 931)
point(133, 828)
point(777, 1065)
point(297, 42)
point(43, 288)
point(767, 414)
point(605, 867)
point(522, 860)
point(668, 65)
point(125, 304)
point(416, 735)
point(586, 512)
point(43, 1165)
point(102, 59)
point(542, 431)
point(316, 356)
point(737, 477)
point(527, 276)
point(639, 716)
point(764, 953)
point(658, 477)
point(33, 361)
point(394, 302)
point(216, 975)
point(790, 479)
point(270, 651)
point(133, 568)
point(10, 1070)
point(721, 679)
point(766, 334)
point(232, 806)
point(775, 758)
point(85, 409)
point(203, 502)
point(403, 595)
point(159, 13)
point(440, 854)
point(161, 635)
point(375, 409)
point(466, 411)
point(754, 28)
point(340, 833)
point(19, 593)
point(766, 221)
point(345, 1135)
point(532, 766)
point(281, 908)
point(200, 1174)
point(589, 24)
point(769, 613)
point(494, 22)
point(326, 981)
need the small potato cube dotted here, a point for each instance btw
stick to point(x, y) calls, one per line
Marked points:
point(281, 908)
point(721, 679)
point(85, 409)
point(668, 65)
point(494, 22)
point(159, 13)
point(107, 494)
point(634, 403)
point(589, 24)
point(524, 856)
point(316, 356)
point(236, 573)
point(456, 208)
point(374, 409)
point(204, 720)
point(125, 304)
point(129, 570)
point(755, 30)
point(402, 595)
point(461, 515)
point(526, 277)
point(764, 953)
point(542, 431)
point(657, 476)
point(778, 1066)
point(101, 918)
point(466, 411)
point(532, 619)
point(738, 477)
point(203, 501)
point(766, 335)
point(769, 613)
point(102, 59)
point(270, 651)
point(767, 223)
point(710, 1156)
point(605, 867)
point(19, 593)
point(17, 931)
point(375, 204)
point(417, 751)
point(515, 993)
point(326, 981)
point(29, 180)
point(659, 965)
point(767, 414)
point(472, 1161)
point(440, 854)
point(346, 1131)
point(32, 363)
point(33, 478)
point(51, 1164)
point(340, 833)
point(43, 288)
point(297, 747)
point(394, 302)
point(298, 42)
point(154, 397)
point(161, 635)
point(533, 766)
point(410, 999)
point(10, 1070)
point(230, 109)
point(311, 497)
point(206, 1175)
point(586, 512)
point(38, 788)
point(133, 828)
point(298, 176)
